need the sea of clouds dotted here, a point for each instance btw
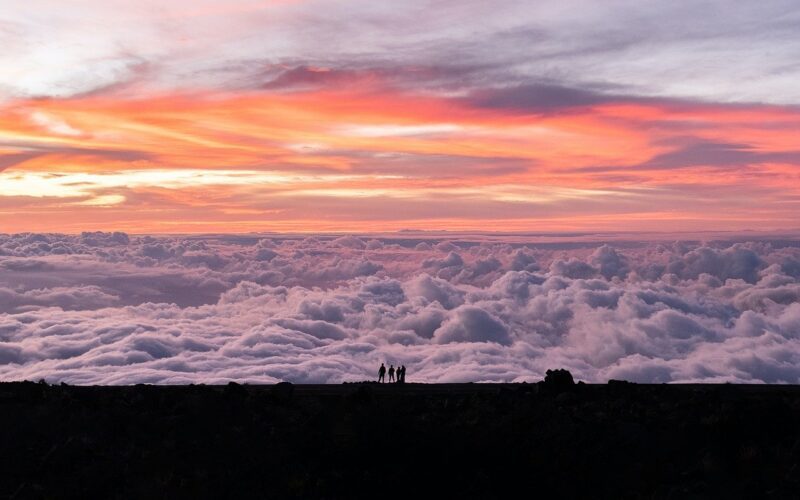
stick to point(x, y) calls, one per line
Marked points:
point(109, 308)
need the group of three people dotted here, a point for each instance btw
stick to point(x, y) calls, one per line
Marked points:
point(400, 372)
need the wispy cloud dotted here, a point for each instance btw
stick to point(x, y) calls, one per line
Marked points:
point(453, 115)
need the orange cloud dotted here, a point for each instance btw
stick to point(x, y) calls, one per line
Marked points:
point(376, 159)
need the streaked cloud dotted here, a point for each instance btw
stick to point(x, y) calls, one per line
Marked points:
point(218, 116)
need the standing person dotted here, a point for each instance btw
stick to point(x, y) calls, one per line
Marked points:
point(382, 373)
point(391, 373)
point(403, 374)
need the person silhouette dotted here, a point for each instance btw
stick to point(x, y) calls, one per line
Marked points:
point(391, 373)
point(402, 377)
point(382, 373)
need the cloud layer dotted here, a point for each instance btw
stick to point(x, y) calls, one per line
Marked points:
point(116, 309)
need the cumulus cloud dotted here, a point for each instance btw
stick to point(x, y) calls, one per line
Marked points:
point(609, 262)
point(117, 309)
point(572, 268)
point(737, 261)
point(524, 260)
point(472, 324)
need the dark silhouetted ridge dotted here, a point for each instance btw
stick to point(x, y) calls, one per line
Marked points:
point(552, 439)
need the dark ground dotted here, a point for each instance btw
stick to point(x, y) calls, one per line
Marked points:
point(411, 441)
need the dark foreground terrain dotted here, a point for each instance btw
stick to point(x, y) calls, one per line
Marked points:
point(412, 441)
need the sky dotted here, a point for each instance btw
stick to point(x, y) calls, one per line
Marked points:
point(196, 191)
point(362, 116)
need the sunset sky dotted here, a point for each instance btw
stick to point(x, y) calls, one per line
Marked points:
point(191, 116)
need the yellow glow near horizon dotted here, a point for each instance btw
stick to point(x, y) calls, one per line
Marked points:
point(77, 184)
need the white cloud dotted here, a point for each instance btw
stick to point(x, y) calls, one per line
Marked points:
point(111, 308)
